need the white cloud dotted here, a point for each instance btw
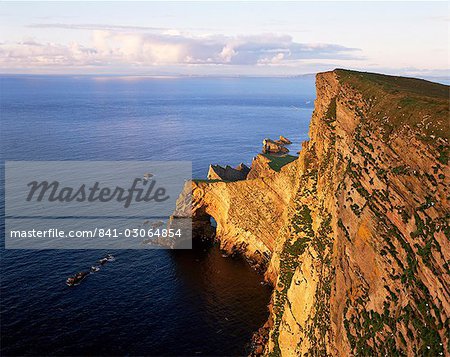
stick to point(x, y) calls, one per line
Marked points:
point(113, 45)
point(227, 53)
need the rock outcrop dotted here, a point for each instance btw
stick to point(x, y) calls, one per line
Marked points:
point(228, 173)
point(273, 147)
point(284, 140)
point(354, 234)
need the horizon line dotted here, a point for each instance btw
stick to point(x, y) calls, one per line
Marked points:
point(180, 76)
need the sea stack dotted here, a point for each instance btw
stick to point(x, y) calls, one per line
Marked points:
point(272, 147)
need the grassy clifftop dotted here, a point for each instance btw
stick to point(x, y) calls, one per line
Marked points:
point(399, 101)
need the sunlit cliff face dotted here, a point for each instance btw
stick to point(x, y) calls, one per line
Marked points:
point(354, 233)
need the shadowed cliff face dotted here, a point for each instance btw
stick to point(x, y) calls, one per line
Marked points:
point(249, 213)
point(355, 232)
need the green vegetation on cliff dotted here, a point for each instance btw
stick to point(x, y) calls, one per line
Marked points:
point(358, 244)
point(399, 101)
point(277, 162)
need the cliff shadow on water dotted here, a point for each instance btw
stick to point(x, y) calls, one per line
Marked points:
point(231, 296)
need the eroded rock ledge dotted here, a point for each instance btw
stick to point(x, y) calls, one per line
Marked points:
point(228, 173)
point(354, 234)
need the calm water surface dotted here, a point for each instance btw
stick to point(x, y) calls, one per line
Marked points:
point(146, 302)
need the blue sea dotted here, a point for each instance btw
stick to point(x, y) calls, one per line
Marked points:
point(147, 302)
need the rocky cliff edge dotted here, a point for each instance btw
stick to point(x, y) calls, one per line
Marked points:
point(354, 233)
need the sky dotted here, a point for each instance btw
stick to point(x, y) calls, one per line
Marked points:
point(224, 38)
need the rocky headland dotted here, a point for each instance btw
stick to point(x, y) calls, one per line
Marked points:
point(354, 233)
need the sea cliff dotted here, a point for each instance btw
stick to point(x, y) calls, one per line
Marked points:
point(354, 233)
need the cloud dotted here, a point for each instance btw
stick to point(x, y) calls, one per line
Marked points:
point(114, 46)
